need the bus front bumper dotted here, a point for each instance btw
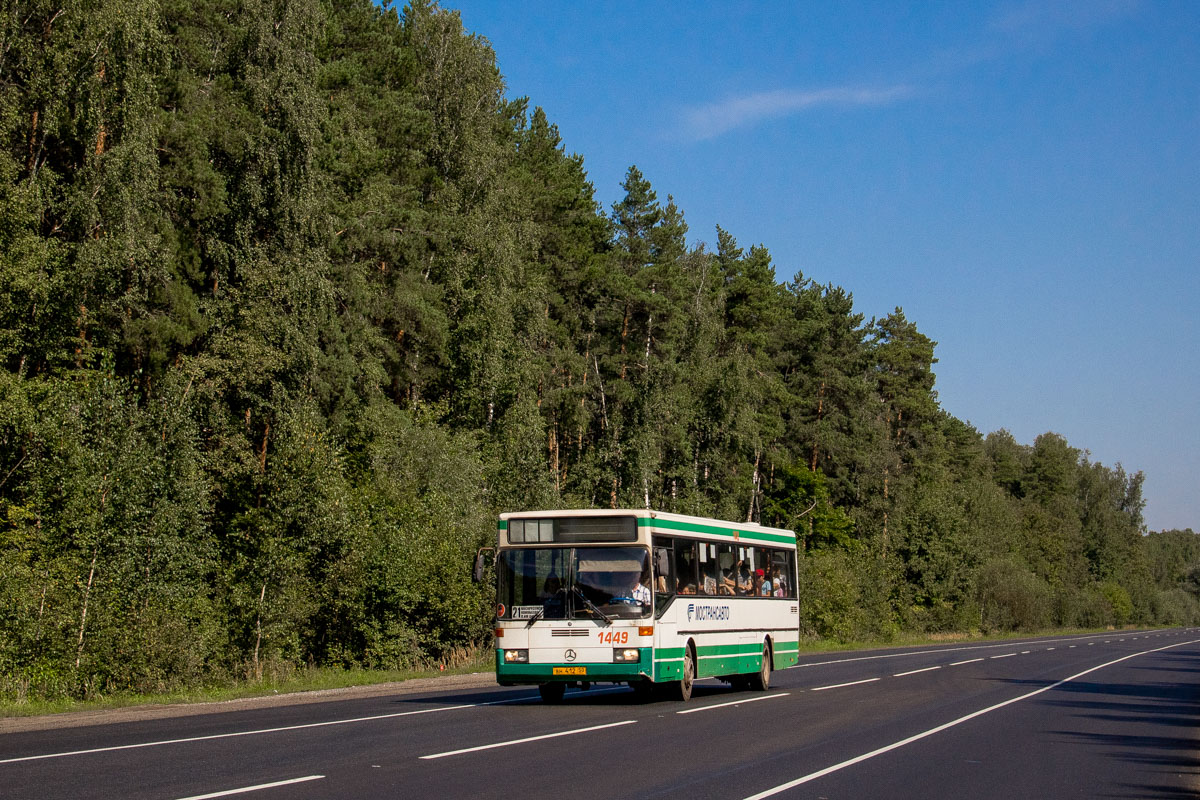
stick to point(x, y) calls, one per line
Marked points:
point(514, 674)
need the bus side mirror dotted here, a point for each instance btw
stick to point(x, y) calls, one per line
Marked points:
point(477, 575)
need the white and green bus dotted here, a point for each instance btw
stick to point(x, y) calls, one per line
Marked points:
point(642, 597)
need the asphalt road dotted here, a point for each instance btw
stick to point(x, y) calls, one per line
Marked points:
point(1099, 716)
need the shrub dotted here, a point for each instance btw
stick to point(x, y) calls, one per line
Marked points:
point(1011, 598)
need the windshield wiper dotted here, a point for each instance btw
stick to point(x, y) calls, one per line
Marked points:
point(591, 605)
point(536, 616)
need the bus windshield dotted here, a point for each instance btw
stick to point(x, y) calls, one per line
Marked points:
point(574, 583)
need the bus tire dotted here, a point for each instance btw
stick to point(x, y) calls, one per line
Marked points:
point(683, 687)
point(761, 680)
point(552, 692)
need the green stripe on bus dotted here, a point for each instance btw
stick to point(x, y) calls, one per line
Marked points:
point(706, 651)
point(712, 530)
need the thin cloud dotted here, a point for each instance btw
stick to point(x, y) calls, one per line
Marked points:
point(712, 120)
point(1050, 16)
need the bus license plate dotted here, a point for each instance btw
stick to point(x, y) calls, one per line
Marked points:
point(570, 670)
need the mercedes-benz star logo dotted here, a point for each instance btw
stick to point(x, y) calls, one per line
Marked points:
point(569, 655)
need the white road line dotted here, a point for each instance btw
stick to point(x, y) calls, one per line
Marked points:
point(968, 661)
point(928, 652)
point(262, 731)
point(245, 789)
point(527, 739)
point(1025, 652)
point(1048, 649)
point(842, 685)
point(812, 776)
point(735, 702)
point(914, 671)
point(1005, 655)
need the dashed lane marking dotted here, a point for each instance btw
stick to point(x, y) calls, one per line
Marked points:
point(511, 742)
point(245, 789)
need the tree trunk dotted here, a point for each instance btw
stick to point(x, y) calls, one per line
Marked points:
point(554, 466)
point(812, 465)
point(262, 456)
point(624, 334)
point(754, 487)
point(258, 632)
point(886, 476)
point(87, 594)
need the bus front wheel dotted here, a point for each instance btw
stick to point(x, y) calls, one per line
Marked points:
point(683, 687)
point(761, 680)
point(552, 692)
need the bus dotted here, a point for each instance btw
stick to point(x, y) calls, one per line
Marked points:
point(647, 598)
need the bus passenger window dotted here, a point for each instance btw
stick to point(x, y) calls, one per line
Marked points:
point(710, 569)
point(783, 572)
point(664, 575)
point(685, 566)
point(726, 576)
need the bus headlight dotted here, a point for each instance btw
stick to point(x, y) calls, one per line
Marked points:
point(516, 656)
point(626, 656)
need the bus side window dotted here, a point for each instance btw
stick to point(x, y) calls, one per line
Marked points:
point(762, 572)
point(664, 565)
point(781, 574)
point(727, 566)
point(685, 566)
point(787, 573)
point(710, 569)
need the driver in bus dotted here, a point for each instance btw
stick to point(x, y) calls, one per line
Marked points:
point(641, 591)
point(552, 598)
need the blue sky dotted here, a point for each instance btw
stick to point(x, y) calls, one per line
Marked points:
point(1023, 179)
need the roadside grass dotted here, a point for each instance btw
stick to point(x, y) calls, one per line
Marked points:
point(313, 679)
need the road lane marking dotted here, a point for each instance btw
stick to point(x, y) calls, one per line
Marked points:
point(245, 789)
point(934, 650)
point(735, 702)
point(1005, 655)
point(262, 730)
point(968, 661)
point(527, 739)
point(842, 685)
point(812, 776)
point(914, 671)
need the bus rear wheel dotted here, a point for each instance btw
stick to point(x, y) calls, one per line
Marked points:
point(761, 680)
point(552, 692)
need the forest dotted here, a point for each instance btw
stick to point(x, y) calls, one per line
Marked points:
point(294, 299)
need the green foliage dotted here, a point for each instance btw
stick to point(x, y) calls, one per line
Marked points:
point(1011, 598)
point(293, 301)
